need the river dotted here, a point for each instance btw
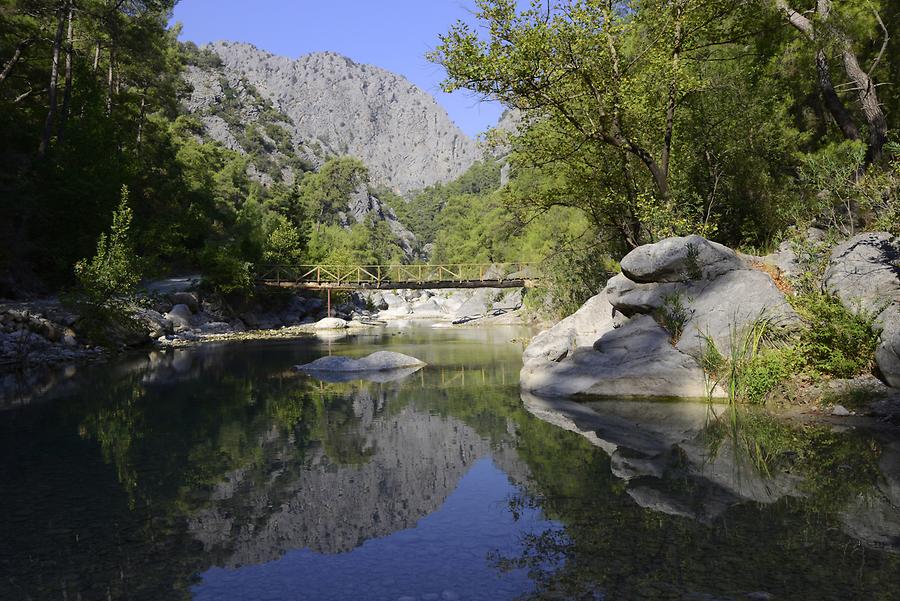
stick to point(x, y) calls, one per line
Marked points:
point(219, 473)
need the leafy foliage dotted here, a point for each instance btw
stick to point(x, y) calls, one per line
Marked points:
point(836, 342)
point(112, 273)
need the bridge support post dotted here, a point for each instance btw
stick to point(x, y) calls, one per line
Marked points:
point(329, 302)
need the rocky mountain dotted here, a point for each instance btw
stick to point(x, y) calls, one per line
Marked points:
point(301, 112)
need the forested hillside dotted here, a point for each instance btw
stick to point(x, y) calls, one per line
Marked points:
point(742, 121)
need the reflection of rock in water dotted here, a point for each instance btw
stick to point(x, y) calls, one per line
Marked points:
point(660, 450)
point(413, 461)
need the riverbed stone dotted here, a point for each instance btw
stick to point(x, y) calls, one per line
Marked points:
point(189, 299)
point(331, 323)
point(180, 317)
point(153, 322)
point(679, 259)
point(378, 361)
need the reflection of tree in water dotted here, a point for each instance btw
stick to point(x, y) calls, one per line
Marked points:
point(793, 548)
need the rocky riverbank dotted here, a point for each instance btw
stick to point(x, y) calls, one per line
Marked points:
point(39, 339)
point(649, 332)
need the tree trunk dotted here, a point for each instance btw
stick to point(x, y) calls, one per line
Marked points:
point(673, 89)
point(96, 55)
point(864, 87)
point(109, 80)
point(54, 80)
point(67, 97)
point(17, 54)
point(140, 132)
point(868, 103)
point(832, 101)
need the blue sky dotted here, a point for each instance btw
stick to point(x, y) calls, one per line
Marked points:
point(393, 34)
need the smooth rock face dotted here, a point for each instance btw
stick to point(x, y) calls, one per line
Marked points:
point(180, 316)
point(865, 272)
point(679, 260)
point(636, 359)
point(582, 328)
point(725, 307)
point(704, 286)
point(630, 298)
point(378, 361)
point(887, 355)
point(331, 323)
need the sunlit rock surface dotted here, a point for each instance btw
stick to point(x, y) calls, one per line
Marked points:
point(643, 335)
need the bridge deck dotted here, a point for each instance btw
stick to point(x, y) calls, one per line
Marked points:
point(394, 277)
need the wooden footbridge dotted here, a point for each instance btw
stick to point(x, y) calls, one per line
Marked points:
point(397, 277)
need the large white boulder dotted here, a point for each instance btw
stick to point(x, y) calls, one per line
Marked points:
point(330, 323)
point(378, 361)
point(582, 328)
point(615, 345)
point(180, 317)
point(864, 273)
point(635, 359)
point(680, 260)
point(887, 355)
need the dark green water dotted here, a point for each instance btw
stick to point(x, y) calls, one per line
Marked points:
point(219, 473)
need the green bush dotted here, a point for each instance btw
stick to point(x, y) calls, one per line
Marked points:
point(764, 372)
point(224, 271)
point(836, 341)
point(112, 273)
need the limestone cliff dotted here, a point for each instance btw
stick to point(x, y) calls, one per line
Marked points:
point(329, 105)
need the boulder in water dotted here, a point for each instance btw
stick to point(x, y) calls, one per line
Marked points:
point(378, 361)
point(331, 323)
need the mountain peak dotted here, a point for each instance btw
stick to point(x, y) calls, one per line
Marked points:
point(331, 105)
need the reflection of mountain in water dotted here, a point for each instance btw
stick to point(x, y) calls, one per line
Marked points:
point(407, 463)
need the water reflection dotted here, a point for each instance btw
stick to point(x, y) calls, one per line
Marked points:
point(451, 546)
point(216, 472)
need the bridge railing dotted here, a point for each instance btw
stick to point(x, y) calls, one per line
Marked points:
point(383, 274)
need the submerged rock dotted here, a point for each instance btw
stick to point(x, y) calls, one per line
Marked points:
point(378, 361)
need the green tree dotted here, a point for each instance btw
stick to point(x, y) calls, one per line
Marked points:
point(284, 245)
point(112, 274)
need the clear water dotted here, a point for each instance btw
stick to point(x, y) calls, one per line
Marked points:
point(218, 473)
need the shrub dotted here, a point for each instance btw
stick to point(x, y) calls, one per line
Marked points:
point(112, 273)
point(836, 341)
point(766, 371)
point(224, 271)
point(673, 315)
point(107, 281)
